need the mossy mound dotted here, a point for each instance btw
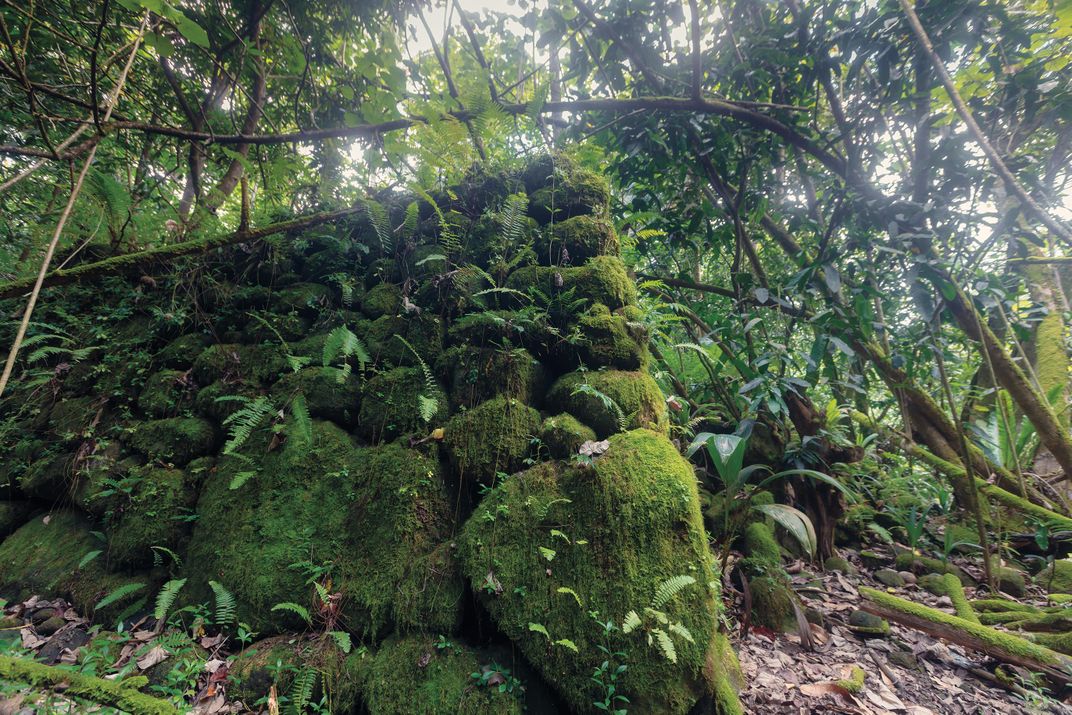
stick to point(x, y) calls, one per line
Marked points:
point(329, 393)
point(375, 520)
point(602, 280)
point(576, 239)
point(570, 191)
point(764, 554)
point(606, 339)
point(493, 437)
point(69, 418)
point(49, 477)
point(562, 435)
point(610, 535)
point(165, 393)
point(479, 374)
point(231, 362)
point(14, 514)
point(1056, 578)
point(418, 675)
point(608, 400)
point(256, 669)
point(306, 299)
point(43, 558)
point(155, 512)
point(772, 603)
point(175, 440)
point(382, 299)
point(396, 340)
point(181, 352)
point(391, 404)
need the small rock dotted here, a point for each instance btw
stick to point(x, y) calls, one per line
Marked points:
point(873, 560)
point(868, 625)
point(908, 576)
point(50, 626)
point(933, 583)
point(905, 659)
point(836, 563)
point(889, 577)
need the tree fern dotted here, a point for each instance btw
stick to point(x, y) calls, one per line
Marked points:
point(343, 343)
point(166, 598)
point(670, 588)
point(226, 608)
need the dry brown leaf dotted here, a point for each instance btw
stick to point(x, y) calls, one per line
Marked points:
point(156, 655)
point(817, 690)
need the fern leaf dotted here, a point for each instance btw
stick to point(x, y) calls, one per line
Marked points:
point(303, 424)
point(631, 623)
point(571, 592)
point(665, 645)
point(670, 588)
point(241, 478)
point(342, 639)
point(301, 690)
point(567, 643)
point(225, 604)
point(682, 631)
point(166, 598)
point(342, 342)
point(299, 610)
point(377, 215)
point(539, 628)
point(118, 594)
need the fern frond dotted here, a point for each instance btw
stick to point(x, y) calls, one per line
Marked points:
point(539, 628)
point(166, 598)
point(302, 426)
point(682, 631)
point(226, 608)
point(631, 623)
point(118, 594)
point(342, 639)
point(670, 588)
point(295, 608)
point(301, 690)
point(242, 422)
point(665, 645)
point(342, 342)
point(380, 221)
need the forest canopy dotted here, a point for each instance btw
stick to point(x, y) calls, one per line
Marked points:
point(846, 226)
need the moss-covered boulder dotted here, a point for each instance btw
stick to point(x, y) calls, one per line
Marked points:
point(166, 393)
point(397, 340)
point(71, 417)
point(329, 393)
point(607, 400)
point(156, 510)
point(231, 361)
point(382, 299)
point(1056, 578)
point(548, 546)
point(569, 193)
point(306, 299)
point(181, 352)
point(575, 240)
point(478, 374)
point(49, 476)
point(417, 674)
point(175, 440)
point(493, 437)
point(604, 339)
point(255, 670)
point(392, 404)
point(602, 279)
point(215, 401)
point(375, 522)
point(772, 603)
point(563, 434)
point(764, 556)
point(14, 514)
point(43, 557)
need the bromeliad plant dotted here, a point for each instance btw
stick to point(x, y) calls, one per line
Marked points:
point(726, 452)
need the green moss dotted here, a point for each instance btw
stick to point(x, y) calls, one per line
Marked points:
point(1059, 642)
point(563, 435)
point(602, 280)
point(933, 583)
point(478, 374)
point(723, 671)
point(391, 406)
point(49, 477)
point(955, 589)
point(1010, 581)
point(605, 339)
point(42, 558)
point(764, 554)
point(839, 564)
point(996, 639)
point(636, 399)
point(424, 333)
point(772, 603)
point(412, 675)
point(1057, 577)
point(1000, 605)
point(154, 513)
point(868, 625)
point(382, 299)
point(119, 694)
point(70, 417)
point(1051, 359)
point(492, 437)
point(330, 393)
point(256, 669)
point(307, 299)
point(180, 353)
point(855, 682)
point(231, 362)
point(1061, 598)
point(175, 440)
point(209, 404)
point(579, 238)
point(907, 561)
point(574, 192)
point(631, 522)
point(378, 518)
point(165, 393)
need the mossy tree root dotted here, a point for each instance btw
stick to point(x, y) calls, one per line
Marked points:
point(1003, 646)
point(960, 601)
point(118, 694)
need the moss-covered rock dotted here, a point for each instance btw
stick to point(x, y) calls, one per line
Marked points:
point(605, 339)
point(415, 675)
point(391, 404)
point(166, 393)
point(423, 333)
point(908, 561)
point(764, 554)
point(574, 192)
point(491, 438)
point(306, 299)
point(933, 583)
point(14, 514)
point(1056, 578)
point(375, 520)
point(181, 352)
point(634, 399)
point(478, 374)
point(231, 362)
point(156, 512)
point(70, 417)
point(213, 401)
point(563, 434)
point(602, 279)
point(329, 393)
point(772, 603)
point(382, 299)
point(576, 239)
point(49, 476)
point(175, 440)
point(43, 558)
point(839, 564)
point(627, 525)
point(868, 625)
point(276, 661)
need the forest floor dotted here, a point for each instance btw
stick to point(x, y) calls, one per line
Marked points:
point(907, 672)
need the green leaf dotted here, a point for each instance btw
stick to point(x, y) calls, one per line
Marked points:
point(290, 607)
point(539, 628)
point(567, 643)
point(166, 599)
point(547, 553)
point(118, 594)
point(89, 557)
point(342, 639)
point(794, 521)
